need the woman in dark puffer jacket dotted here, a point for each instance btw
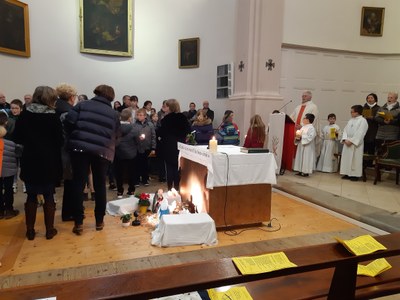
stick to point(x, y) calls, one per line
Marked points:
point(93, 127)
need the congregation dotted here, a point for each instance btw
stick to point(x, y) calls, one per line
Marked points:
point(56, 136)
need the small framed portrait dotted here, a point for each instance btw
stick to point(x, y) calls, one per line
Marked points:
point(106, 27)
point(14, 28)
point(189, 53)
point(372, 21)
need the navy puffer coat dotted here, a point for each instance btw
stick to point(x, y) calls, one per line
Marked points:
point(93, 127)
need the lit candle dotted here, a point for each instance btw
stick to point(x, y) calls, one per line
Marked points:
point(142, 136)
point(213, 144)
point(298, 133)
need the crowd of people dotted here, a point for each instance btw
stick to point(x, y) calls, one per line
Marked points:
point(56, 136)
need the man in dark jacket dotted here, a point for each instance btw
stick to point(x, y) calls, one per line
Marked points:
point(93, 128)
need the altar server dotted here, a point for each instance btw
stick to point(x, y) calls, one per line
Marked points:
point(353, 145)
point(327, 161)
point(304, 162)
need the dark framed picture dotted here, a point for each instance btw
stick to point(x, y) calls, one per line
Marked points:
point(189, 53)
point(14, 28)
point(372, 21)
point(106, 27)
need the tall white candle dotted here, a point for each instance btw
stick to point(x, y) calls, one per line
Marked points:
point(213, 145)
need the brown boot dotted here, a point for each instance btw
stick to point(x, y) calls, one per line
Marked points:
point(49, 209)
point(30, 219)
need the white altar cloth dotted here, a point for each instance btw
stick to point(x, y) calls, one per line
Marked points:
point(185, 229)
point(232, 167)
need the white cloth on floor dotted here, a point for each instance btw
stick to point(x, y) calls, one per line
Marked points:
point(128, 205)
point(185, 229)
point(122, 206)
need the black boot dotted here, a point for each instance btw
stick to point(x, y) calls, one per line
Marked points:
point(30, 219)
point(49, 209)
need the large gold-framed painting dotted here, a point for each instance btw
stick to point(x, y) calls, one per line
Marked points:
point(106, 27)
point(14, 28)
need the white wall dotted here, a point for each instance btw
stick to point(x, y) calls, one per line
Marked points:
point(152, 73)
point(338, 79)
point(336, 25)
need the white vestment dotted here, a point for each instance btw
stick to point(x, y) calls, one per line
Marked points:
point(327, 161)
point(352, 156)
point(310, 108)
point(305, 155)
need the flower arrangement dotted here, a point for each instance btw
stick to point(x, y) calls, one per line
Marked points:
point(191, 138)
point(144, 199)
point(126, 218)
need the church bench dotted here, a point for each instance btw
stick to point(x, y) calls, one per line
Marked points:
point(324, 271)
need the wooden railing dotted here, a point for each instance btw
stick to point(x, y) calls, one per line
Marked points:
point(325, 271)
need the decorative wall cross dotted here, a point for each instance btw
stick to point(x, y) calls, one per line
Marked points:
point(270, 64)
point(241, 66)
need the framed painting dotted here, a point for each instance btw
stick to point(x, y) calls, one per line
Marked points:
point(372, 21)
point(106, 27)
point(189, 53)
point(14, 28)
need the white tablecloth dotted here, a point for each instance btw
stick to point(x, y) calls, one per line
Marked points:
point(185, 229)
point(232, 167)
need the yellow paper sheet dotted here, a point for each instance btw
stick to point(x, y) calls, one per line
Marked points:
point(374, 268)
point(386, 115)
point(262, 263)
point(234, 293)
point(333, 133)
point(361, 245)
point(367, 113)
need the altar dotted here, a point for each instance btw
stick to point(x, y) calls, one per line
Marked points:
point(234, 188)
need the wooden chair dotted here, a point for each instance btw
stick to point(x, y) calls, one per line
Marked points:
point(390, 159)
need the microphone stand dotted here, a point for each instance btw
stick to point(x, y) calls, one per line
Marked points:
point(286, 104)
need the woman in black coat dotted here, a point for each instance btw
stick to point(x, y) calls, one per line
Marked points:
point(39, 130)
point(174, 128)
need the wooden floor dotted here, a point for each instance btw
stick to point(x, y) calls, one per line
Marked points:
point(118, 249)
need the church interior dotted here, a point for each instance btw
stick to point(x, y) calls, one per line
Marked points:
point(276, 49)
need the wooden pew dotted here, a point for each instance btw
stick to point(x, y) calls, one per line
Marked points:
point(324, 271)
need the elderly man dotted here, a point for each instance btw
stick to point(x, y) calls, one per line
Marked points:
point(307, 107)
point(209, 112)
point(27, 99)
point(387, 118)
point(3, 103)
point(126, 102)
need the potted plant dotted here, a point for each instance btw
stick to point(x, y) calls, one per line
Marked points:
point(126, 220)
point(144, 202)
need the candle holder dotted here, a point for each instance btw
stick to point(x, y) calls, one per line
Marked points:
point(136, 222)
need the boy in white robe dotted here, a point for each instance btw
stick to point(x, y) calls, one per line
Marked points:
point(304, 161)
point(327, 161)
point(353, 145)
